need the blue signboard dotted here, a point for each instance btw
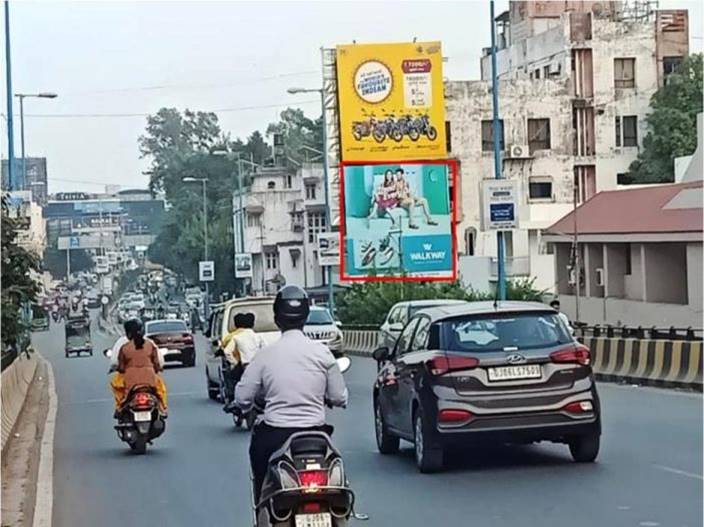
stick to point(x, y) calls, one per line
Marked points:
point(502, 212)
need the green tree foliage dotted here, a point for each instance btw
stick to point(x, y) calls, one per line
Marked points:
point(54, 261)
point(672, 124)
point(18, 287)
point(303, 137)
point(369, 303)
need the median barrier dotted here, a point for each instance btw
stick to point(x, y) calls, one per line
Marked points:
point(673, 363)
point(16, 379)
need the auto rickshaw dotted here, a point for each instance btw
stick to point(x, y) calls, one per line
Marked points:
point(40, 318)
point(78, 337)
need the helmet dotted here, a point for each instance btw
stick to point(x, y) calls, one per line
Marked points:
point(291, 308)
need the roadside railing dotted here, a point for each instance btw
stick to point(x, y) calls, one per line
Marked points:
point(639, 332)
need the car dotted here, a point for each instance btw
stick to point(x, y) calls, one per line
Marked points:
point(485, 373)
point(400, 313)
point(321, 326)
point(174, 339)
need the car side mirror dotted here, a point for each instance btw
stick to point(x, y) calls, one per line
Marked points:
point(107, 353)
point(338, 323)
point(396, 327)
point(381, 354)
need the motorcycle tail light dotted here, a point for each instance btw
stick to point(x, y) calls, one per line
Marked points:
point(313, 478)
point(142, 400)
point(311, 507)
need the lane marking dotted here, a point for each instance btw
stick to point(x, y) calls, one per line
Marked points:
point(43, 504)
point(679, 472)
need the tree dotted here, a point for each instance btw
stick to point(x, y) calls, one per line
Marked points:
point(54, 261)
point(303, 137)
point(18, 287)
point(672, 124)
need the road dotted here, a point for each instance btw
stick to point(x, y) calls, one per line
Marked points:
point(649, 472)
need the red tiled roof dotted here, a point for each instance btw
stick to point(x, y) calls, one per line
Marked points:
point(640, 210)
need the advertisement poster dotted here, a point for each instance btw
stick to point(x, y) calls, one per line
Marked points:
point(398, 223)
point(391, 101)
point(328, 248)
point(499, 204)
point(243, 265)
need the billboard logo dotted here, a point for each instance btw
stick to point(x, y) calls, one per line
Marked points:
point(427, 254)
point(373, 81)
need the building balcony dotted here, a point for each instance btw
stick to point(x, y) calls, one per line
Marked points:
point(518, 266)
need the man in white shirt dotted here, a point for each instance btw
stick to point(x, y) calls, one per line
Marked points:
point(555, 304)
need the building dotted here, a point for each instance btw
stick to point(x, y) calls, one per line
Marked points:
point(284, 210)
point(36, 180)
point(127, 219)
point(31, 232)
point(640, 254)
point(575, 81)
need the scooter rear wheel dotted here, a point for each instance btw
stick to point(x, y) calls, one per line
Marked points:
point(139, 446)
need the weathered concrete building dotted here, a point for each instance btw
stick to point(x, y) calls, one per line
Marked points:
point(576, 79)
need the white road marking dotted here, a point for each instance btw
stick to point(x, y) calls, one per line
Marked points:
point(44, 502)
point(679, 472)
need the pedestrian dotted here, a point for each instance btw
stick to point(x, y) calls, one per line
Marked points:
point(555, 304)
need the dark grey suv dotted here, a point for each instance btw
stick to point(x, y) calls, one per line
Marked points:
point(476, 373)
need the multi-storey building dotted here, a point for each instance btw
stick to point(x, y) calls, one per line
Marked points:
point(575, 82)
point(36, 177)
point(31, 233)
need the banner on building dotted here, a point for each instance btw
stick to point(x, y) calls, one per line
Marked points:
point(328, 248)
point(398, 222)
point(499, 204)
point(243, 265)
point(391, 101)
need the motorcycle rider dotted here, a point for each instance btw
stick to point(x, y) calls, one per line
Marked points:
point(295, 377)
point(231, 361)
point(240, 350)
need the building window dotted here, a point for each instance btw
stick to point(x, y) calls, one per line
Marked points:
point(289, 181)
point(488, 136)
point(540, 188)
point(310, 191)
point(316, 224)
point(271, 185)
point(626, 130)
point(537, 74)
point(538, 134)
point(670, 65)
point(625, 73)
point(546, 71)
point(254, 220)
point(470, 236)
point(629, 264)
point(272, 260)
point(448, 136)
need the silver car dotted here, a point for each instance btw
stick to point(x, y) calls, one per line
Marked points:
point(322, 327)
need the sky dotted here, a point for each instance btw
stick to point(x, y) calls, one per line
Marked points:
point(113, 63)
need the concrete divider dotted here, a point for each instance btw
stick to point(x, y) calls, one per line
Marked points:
point(659, 362)
point(16, 379)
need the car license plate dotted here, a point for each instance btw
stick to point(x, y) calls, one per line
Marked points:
point(322, 519)
point(511, 373)
point(142, 416)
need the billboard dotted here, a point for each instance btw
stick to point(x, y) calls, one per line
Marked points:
point(243, 265)
point(391, 101)
point(398, 222)
point(328, 248)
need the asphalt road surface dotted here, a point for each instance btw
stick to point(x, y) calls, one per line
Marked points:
point(649, 472)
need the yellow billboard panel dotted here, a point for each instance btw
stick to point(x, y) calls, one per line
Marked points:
point(391, 101)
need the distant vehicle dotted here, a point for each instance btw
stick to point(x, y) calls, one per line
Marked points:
point(78, 336)
point(322, 327)
point(92, 299)
point(479, 373)
point(40, 318)
point(112, 258)
point(401, 313)
point(174, 338)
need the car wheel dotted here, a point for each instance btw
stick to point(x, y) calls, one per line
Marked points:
point(385, 442)
point(213, 391)
point(585, 449)
point(428, 459)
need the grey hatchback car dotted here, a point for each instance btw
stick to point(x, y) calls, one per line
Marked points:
point(483, 373)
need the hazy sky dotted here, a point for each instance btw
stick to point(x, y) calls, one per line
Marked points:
point(128, 59)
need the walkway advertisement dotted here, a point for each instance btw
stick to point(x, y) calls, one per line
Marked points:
point(398, 222)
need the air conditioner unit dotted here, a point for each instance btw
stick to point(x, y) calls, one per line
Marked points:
point(517, 152)
point(600, 276)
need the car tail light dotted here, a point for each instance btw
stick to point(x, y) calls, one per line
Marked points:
point(446, 364)
point(311, 507)
point(454, 416)
point(578, 354)
point(313, 478)
point(142, 400)
point(187, 337)
point(579, 407)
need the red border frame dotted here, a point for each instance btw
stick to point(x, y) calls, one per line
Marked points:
point(453, 166)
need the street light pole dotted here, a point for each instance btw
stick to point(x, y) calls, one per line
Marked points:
point(204, 182)
point(10, 120)
point(21, 97)
point(326, 170)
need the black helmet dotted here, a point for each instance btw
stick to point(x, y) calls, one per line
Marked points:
point(291, 308)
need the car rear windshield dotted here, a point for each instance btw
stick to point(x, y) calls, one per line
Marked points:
point(175, 326)
point(319, 317)
point(506, 331)
point(263, 316)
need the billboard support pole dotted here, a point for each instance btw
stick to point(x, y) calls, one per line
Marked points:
point(10, 125)
point(497, 133)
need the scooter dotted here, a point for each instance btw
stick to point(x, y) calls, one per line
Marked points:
point(139, 419)
point(306, 484)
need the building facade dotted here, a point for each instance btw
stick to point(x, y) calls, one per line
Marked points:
point(31, 232)
point(575, 81)
point(35, 180)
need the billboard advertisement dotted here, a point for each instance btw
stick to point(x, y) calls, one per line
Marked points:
point(243, 265)
point(328, 248)
point(398, 222)
point(391, 102)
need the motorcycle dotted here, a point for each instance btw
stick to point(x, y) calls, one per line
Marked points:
point(139, 420)
point(306, 484)
point(423, 126)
